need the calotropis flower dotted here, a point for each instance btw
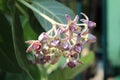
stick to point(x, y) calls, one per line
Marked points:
point(66, 40)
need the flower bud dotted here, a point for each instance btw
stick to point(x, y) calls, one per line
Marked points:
point(71, 64)
point(91, 24)
point(78, 47)
point(55, 42)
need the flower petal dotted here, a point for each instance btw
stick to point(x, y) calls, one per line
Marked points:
point(91, 24)
point(77, 47)
point(91, 38)
point(76, 19)
point(43, 37)
point(65, 45)
point(71, 64)
point(34, 46)
point(55, 42)
point(78, 38)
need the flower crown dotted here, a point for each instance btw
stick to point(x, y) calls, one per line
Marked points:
point(65, 40)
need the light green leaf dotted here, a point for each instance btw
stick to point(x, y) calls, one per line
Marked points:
point(52, 9)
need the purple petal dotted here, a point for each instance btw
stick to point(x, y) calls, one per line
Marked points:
point(66, 46)
point(77, 47)
point(36, 45)
point(91, 24)
point(71, 64)
point(55, 42)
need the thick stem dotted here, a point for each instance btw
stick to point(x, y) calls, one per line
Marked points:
point(44, 75)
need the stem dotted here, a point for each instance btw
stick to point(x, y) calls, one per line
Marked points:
point(44, 75)
point(85, 16)
point(85, 27)
point(51, 30)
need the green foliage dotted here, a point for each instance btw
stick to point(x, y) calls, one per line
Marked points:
point(17, 76)
point(7, 57)
point(16, 28)
point(3, 5)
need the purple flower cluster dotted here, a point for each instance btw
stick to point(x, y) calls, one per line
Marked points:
point(62, 40)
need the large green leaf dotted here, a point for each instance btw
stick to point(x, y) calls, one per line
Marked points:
point(17, 76)
point(68, 73)
point(52, 9)
point(19, 47)
point(8, 61)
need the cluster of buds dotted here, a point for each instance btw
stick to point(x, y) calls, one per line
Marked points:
point(65, 40)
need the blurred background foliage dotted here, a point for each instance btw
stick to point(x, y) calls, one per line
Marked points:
point(19, 22)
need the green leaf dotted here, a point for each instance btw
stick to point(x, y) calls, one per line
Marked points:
point(19, 47)
point(8, 61)
point(37, 28)
point(3, 5)
point(28, 32)
point(20, 76)
point(68, 73)
point(52, 9)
